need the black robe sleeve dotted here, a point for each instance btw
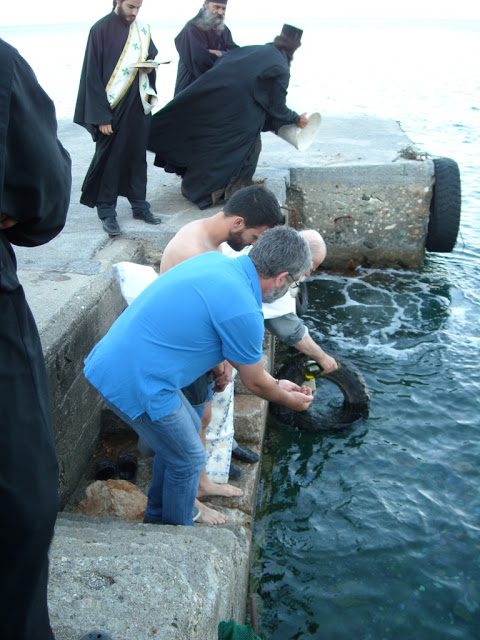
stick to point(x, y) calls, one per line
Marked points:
point(35, 170)
point(270, 91)
point(92, 108)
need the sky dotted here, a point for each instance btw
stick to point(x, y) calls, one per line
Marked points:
point(60, 11)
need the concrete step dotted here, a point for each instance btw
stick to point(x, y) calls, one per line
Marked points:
point(250, 415)
point(136, 581)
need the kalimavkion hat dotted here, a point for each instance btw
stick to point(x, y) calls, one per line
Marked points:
point(292, 34)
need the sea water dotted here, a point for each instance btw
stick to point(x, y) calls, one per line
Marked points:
point(370, 532)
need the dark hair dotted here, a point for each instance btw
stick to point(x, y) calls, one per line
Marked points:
point(256, 205)
point(281, 249)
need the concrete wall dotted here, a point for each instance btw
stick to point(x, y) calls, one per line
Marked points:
point(362, 184)
point(76, 404)
point(69, 337)
point(369, 215)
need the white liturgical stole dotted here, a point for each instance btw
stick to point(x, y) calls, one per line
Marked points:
point(135, 50)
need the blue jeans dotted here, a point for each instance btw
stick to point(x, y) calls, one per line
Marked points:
point(178, 462)
point(200, 408)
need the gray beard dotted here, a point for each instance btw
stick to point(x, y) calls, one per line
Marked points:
point(207, 21)
point(275, 294)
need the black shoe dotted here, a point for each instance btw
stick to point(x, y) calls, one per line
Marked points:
point(244, 454)
point(147, 216)
point(127, 466)
point(110, 225)
point(235, 472)
point(106, 469)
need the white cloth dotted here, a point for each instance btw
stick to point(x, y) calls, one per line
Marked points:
point(219, 436)
point(133, 278)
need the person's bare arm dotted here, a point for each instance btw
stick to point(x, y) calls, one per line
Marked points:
point(310, 348)
point(262, 384)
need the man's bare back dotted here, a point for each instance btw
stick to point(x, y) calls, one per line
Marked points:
point(192, 240)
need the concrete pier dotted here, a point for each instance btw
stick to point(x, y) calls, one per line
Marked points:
point(357, 186)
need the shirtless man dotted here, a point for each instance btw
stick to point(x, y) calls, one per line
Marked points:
point(248, 214)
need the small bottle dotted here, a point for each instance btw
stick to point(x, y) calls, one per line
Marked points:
point(312, 370)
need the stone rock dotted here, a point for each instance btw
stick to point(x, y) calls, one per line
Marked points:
point(112, 497)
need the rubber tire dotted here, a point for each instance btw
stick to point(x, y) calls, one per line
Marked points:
point(301, 301)
point(445, 206)
point(356, 398)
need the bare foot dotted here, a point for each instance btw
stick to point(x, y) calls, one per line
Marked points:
point(209, 516)
point(208, 488)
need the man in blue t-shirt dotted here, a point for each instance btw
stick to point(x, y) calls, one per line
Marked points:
point(199, 313)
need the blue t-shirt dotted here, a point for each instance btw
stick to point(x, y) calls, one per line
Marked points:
point(199, 313)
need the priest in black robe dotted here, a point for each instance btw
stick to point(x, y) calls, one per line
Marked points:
point(210, 133)
point(114, 104)
point(35, 183)
point(201, 42)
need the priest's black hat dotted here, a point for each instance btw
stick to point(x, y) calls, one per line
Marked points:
point(292, 34)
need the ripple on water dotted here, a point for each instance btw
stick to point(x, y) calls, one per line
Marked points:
point(376, 526)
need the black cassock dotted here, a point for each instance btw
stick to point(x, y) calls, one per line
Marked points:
point(35, 182)
point(193, 46)
point(209, 133)
point(119, 166)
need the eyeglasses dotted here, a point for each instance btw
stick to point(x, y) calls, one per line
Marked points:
point(295, 283)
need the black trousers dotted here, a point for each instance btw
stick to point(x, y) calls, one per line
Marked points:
point(28, 474)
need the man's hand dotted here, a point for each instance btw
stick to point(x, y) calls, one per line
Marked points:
point(6, 222)
point(148, 69)
point(106, 129)
point(288, 385)
point(222, 374)
point(302, 123)
point(216, 52)
point(300, 397)
point(327, 364)
point(262, 384)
